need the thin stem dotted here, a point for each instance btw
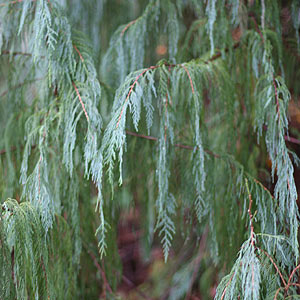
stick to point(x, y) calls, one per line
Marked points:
point(166, 107)
point(291, 276)
point(188, 74)
point(257, 27)
point(292, 140)
point(216, 56)
point(6, 52)
point(39, 178)
point(219, 54)
point(131, 89)
point(250, 214)
point(132, 22)
point(152, 138)
point(277, 100)
point(187, 147)
point(227, 284)
point(277, 293)
point(127, 26)
point(295, 284)
point(81, 102)
point(258, 182)
point(274, 264)
point(81, 57)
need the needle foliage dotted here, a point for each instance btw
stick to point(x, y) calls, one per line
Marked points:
point(175, 108)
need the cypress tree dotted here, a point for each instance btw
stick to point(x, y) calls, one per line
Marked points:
point(176, 109)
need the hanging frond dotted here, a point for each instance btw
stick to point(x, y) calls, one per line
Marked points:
point(32, 271)
point(204, 90)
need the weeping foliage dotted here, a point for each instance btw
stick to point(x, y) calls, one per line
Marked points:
point(31, 264)
point(174, 112)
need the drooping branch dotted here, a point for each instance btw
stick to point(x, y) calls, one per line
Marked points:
point(187, 147)
point(214, 57)
point(131, 89)
point(15, 53)
point(152, 138)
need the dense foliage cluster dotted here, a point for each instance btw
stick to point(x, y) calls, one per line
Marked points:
point(190, 100)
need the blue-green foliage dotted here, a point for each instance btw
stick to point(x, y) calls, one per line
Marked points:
point(211, 13)
point(35, 261)
point(127, 46)
point(205, 108)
